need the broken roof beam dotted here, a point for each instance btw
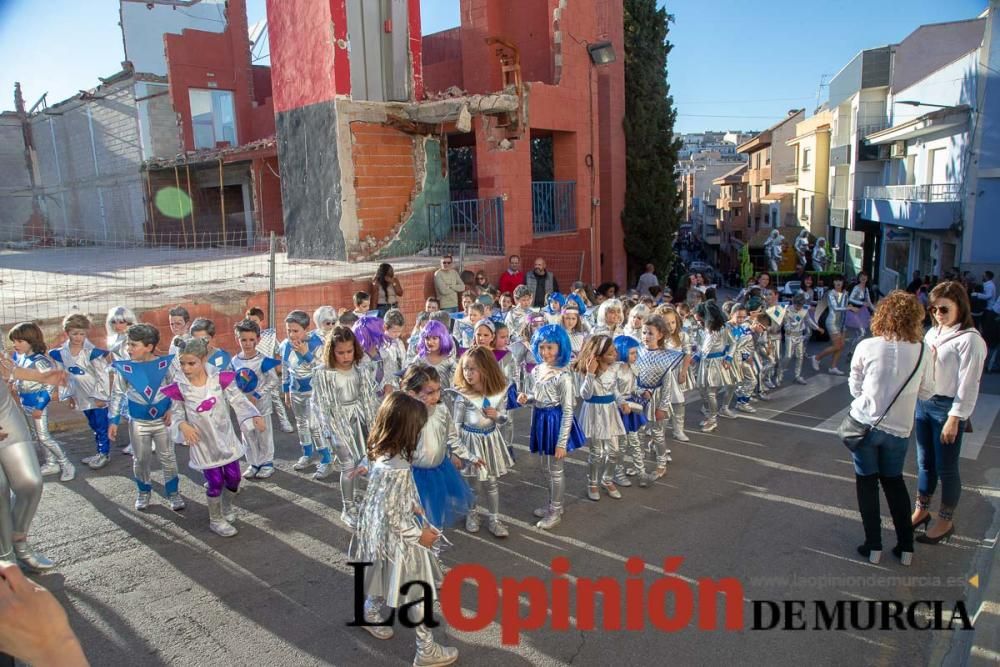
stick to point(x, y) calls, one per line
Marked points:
point(449, 110)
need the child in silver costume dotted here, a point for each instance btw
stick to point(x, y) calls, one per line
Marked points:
point(796, 323)
point(517, 318)
point(742, 353)
point(572, 322)
point(117, 322)
point(257, 379)
point(657, 386)
point(200, 415)
point(677, 340)
point(394, 352)
point(435, 349)
point(344, 400)
point(716, 372)
point(634, 421)
point(268, 346)
point(610, 318)
point(298, 362)
point(392, 532)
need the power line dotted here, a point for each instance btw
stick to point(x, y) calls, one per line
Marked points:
point(772, 99)
point(706, 115)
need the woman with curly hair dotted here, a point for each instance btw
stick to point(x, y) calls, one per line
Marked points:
point(888, 373)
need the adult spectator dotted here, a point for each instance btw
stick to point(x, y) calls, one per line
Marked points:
point(608, 290)
point(513, 276)
point(385, 289)
point(541, 282)
point(448, 285)
point(33, 625)
point(989, 293)
point(647, 280)
point(889, 372)
point(482, 284)
point(959, 355)
point(915, 284)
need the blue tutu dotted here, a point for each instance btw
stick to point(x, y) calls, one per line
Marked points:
point(512, 403)
point(633, 421)
point(545, 423)
point(445, 495)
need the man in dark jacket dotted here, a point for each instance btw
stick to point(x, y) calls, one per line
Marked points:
point(541, 282)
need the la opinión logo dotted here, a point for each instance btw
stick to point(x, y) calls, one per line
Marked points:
point(668, 604)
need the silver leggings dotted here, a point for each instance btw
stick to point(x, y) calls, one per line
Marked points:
point(658, 440)
point(555, 471)
point(54, 452)
point(710, 401)
point(602, 461)
point(306, 425)
point(144, 434)
point(632, 448)
point(492, 495)
point(19, 476)
point(795, 349)
point(259, 445)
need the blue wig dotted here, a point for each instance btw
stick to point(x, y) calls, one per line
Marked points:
point(553, 333)
point(575, 298)
point(434, 329)
point(557, 297)
point(624, 345)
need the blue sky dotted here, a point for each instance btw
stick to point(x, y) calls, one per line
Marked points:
point(736, 64)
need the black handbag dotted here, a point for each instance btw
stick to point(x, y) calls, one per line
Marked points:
point(853, 433)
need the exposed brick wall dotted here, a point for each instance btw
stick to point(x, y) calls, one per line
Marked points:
point(384, 179)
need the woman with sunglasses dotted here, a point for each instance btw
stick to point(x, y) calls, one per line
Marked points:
point(959, 355)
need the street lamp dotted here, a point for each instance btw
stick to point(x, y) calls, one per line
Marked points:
point(914, 103)
point(601, 53)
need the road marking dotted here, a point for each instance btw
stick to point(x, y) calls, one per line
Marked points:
point(853, 561)
point(987, 408)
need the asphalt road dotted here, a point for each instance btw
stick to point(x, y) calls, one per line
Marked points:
point(769, 501)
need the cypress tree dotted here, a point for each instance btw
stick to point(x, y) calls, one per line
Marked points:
point(651, 216)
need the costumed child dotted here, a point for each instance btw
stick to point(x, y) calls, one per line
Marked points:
point(795, 324)
point(268, 347)
point(572, 322)
point(743, 348)
point(179, 320)
point(597, 370)
point(298, 361)
point(394, 351)
point(465, 326)
point(392, 531)
point(370, 332)
point(435, 349)
point(633, 421)
point(610, 316)
point(716, 372)
point(29, 353)
point(636, 317)
point(325, 319)
point(344, 401)
point(257, 378)
point(88, 386)
point(657, 386)
point(554, 430)
point(117, 322)
point(555, 302)
point(218, 358)
point(138, 392)
point(444, 494)
point(677, 341)
point(480, 406)
point(512, 369)
point(200, 412)
point(518, 316)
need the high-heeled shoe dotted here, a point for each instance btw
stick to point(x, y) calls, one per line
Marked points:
point(923, 522)
point(944, 537)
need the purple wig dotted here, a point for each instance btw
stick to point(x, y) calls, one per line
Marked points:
point(370, 332)
point(434, 329)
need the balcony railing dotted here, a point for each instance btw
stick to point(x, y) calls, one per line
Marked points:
point(553, 206)
point(935, 192)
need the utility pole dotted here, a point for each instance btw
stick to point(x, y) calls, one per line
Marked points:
point(36, 226)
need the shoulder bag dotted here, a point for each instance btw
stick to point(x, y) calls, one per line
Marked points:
point(853, 433)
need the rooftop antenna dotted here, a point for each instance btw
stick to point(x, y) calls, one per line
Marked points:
point(819, 89)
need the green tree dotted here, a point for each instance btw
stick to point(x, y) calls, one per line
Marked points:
point(651, 216)
point(746, 267)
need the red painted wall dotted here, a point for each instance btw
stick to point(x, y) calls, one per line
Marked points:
point(416, 49)
point(442, 58)
point(305, 67)
point(197, 59)
point(267, 192)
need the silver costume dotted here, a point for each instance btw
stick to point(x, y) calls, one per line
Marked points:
point(90, 382)
point(820, 258)
point(206, 408)
point(632, 449)
point(445, 368)
point(484, 441)
point(716, 370)
point(795, 324)
point(601, 421)
point(35, 397)
point(268, 346)
point(344, 403)
point(263, 389)
point(297, 372)
point(802, 248)
point(552, 387)
point(677, 400)
point(774, 249)
point(512, 371)
point(146, 405)
point(836, 303)
point(655, 376)
point(20, 484)
point(393, 361)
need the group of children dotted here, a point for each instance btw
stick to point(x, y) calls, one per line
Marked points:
point(615, 379)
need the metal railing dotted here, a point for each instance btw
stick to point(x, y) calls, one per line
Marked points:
point(553, 206)
point(477, 223)
point(935, 192)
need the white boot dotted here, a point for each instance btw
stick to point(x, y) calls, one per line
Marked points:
point(678, 421)
point(216, 520)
